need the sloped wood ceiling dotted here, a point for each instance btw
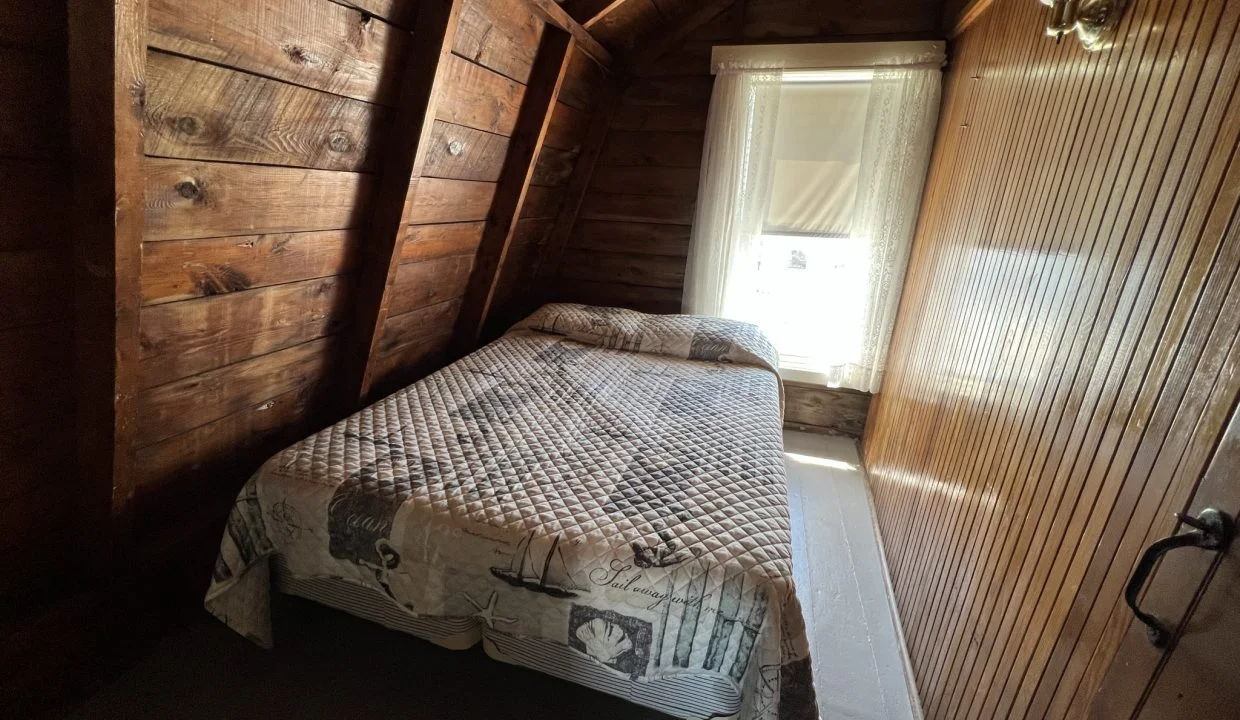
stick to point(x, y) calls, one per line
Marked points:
point(633, 27)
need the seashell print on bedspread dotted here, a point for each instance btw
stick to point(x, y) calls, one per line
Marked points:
point(606, 480)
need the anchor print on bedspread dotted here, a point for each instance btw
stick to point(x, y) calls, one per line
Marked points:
point(360, 517)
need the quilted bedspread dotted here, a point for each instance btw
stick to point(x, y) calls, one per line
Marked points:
point(599, 478)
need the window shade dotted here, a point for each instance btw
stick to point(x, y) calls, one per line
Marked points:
point(817, 158)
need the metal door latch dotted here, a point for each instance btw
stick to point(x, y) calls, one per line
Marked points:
point(1212, 530)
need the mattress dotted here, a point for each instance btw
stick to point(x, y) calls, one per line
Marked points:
point(599, 494)
point(691, 696)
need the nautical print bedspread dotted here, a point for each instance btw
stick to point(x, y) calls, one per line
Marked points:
point(599, 478)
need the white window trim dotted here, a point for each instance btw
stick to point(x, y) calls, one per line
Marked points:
point(820, 56)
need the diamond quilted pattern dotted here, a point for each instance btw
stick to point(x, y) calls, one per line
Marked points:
point(544, 433)
point(632, 443)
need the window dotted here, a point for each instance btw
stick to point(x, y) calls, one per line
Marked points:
point(811, 181)
point(807, 258)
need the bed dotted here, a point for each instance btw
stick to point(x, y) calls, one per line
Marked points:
point(599, 494)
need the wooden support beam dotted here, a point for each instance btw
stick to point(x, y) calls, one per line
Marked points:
point(590, 12)
point(968, 15)
point(422, 87)
point(107, 67)
point(578, 185)
point(554, 53)
point(557, 16)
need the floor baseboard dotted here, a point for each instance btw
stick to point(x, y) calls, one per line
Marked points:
point(909, 677)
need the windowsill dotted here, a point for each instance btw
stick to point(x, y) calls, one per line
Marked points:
point(807, 379)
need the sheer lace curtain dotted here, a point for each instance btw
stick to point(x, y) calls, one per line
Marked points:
point(895, 155)
point(726, 253)
point(734, 190)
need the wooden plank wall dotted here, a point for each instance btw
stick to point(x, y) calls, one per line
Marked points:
point(476, 118)
point(629, 244)
point(828, 411)
point(580, 98)
point(631, 239)
point(1065, 353)
point(262, 136)
point(36, 301)
point(264, 133)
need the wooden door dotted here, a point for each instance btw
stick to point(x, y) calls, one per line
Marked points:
point(1195, 593)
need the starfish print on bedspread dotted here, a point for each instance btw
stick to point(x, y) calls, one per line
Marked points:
point(486, 613)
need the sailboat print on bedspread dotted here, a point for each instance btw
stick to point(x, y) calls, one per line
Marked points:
point(637, 492)
point(539, 569)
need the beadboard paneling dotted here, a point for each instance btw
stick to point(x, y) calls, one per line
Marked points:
point(1063, 347)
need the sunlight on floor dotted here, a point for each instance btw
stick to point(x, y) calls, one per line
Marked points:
point(858, 661)
point(820, 461)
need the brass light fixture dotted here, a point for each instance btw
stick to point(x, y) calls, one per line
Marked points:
point(1091, 20)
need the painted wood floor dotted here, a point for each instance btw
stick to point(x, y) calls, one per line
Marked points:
point(858, 656)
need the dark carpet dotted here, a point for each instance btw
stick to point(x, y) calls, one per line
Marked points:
point(327, 664)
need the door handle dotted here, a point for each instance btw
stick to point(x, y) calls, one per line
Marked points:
point(1212, 530)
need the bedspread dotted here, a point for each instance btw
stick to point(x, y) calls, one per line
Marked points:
point(599, 478)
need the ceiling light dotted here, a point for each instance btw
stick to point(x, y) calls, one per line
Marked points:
point(1092, 20)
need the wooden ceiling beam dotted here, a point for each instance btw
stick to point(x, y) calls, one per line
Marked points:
point(557, 16)
point(968, 15)
point(425, 74)
point(590, 12)
point(550, 65)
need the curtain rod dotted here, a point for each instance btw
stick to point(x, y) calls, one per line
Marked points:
point(847, 68)
point(832, 56)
